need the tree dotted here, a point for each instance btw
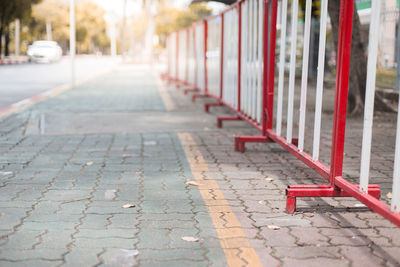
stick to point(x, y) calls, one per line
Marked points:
point(11, 10)
point(358, 62)
point(90, 24)
point(56, 13)
point(169, 20)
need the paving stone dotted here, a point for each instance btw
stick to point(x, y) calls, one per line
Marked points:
point(49, 254)
point(57, 204)
point(84, 257)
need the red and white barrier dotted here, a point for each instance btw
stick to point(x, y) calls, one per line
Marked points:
point(12, 61)
point(238, 70)
point(182, 56)
point(199, 50)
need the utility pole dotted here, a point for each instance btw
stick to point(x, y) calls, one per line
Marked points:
point(17, 37)
point(72, 39)
point(49, 31)
point(148, 53)
point(113, 37)
point(123, 34)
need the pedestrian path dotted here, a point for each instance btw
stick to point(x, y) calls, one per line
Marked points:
point(125, 171)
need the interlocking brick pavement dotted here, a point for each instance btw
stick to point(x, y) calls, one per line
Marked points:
point(62, 188)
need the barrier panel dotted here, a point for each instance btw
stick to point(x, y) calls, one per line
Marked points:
point(191, 68)
point(182, 57)
point(240, 64)
point(230, 58)
point(213, 56)
point(199, 33)
point(172, 47)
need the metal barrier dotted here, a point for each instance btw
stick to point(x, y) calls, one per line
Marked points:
point(239, 72)
point(182, 65)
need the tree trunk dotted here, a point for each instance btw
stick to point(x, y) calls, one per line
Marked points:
point(1, 42)
point(358, 74)
point(358, 62)
point(7, 43)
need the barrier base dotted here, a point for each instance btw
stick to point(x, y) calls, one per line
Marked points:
point(240, 141)
point(211, 104)
point(195, 96)
point(295, 191)
point(188, 90)
point(226, 118)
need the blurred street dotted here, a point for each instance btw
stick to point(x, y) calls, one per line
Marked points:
point(21, 81)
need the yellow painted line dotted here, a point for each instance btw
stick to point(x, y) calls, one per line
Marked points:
point(46, 95)
point(233, 241)
point(169, 104)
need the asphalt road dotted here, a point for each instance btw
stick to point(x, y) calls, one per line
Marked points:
point(18, 82)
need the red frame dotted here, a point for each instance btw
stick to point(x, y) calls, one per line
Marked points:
point(338, 186)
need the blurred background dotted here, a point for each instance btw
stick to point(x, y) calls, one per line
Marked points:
point(103, 27)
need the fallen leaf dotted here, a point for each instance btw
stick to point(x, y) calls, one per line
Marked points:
point(90, 163)
point(150, 143)
point(389, 195)
point(190, 239)
point(75, 200)
point(1, 214)
point(193, 183)
point(310, 215)
point(269, 179)
point(128, 206)
point(359, 205)
point(273, 227)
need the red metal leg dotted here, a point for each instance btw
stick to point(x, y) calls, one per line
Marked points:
point(197, 96)
point(193, 89)
point(291, 205)
point(211, 104)
point(295, 191)
point(226, 118)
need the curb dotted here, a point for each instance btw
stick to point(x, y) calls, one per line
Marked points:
point(10, 61)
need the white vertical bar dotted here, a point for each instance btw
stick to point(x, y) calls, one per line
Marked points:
point(304, 76)
point(320, 79)
point(242, 54)
point(396, 173)
point(72, 39)
point(369, 95)
point(246, 56)
point(292, 73)
point(254, 62)
point(282, 54)
point(250, 58)
point(260, 58)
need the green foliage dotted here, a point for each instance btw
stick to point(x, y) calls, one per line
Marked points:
point(315, 10)
point(13, 9)
point(90, 24)
point(169, 20)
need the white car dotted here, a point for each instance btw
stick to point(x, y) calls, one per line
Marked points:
point(44, 52)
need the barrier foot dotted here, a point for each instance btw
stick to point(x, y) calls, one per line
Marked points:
point(186, 91)
point(211, 104)
point(240, 141)
point(195, 96)
point(291, 205)
point(295, 191)
point(226, 118)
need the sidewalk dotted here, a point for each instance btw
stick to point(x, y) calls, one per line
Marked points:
point(70, 164)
